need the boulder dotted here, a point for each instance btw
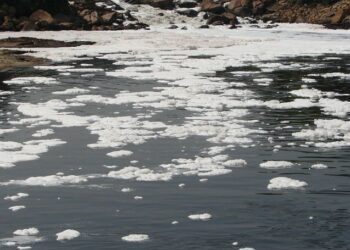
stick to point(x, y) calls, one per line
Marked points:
point(240, 7)
point(41, 16)
point(213, 6)
point(346, 22)
point(226, 18)
point(8, 24)
point(27, 26)
point(109, 18)
point(187, 12)
point(91, 18)
point(161, 4)
point(186, 3)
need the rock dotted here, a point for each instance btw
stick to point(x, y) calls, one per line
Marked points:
point(91, 17)
point(41, 16)
point(16, 15)
point(109, 18)
point(204, 26)
point(8, 24)
point(233, 26)
point(226, 18)
point(172, 27)
point(187, 3)
point(213, 6)
point(240, 7)
point(162, 4)
point(346, 22)
point(187, 12)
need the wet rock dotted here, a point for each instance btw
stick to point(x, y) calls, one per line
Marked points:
point(63, 15)
point(226, 18)
point(186, 3)
point(26, 25)
point(162, 4)
point(172, 27)
point(204, 26)
point(187, 12)
point(41, 16)
point(213, 6)
point(110, 17)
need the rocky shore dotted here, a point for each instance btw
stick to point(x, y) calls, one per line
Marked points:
point(26, 15)
point(330, 13)
point(11, 58)
point(30, 15)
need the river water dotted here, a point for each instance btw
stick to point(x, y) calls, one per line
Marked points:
point(176, 138)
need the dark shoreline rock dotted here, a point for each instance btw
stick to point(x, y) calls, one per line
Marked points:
point(10, 59)
point(30, 42)
point(41, 15)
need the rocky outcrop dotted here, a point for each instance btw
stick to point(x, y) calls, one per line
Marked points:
point(331, 13)
point(26, 15)
point(334, 14)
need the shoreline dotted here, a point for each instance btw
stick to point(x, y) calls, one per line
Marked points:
point(11, 58)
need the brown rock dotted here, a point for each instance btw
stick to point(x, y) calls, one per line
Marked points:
point(346, 21)
point(212, 6)
point(27, 26)
point(91, 17)
point(8, 24)
point(109, 18)
point(41, 16)
point(162, 4)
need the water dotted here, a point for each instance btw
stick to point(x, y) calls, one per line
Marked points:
point(242, 207)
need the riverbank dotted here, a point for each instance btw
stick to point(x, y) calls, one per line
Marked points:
point(10, 58)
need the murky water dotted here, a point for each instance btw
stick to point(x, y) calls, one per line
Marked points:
point(243, 209)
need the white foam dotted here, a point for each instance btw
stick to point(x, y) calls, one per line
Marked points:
point(72, 91)
point(13, 152)
point(68, 234)
point(202, 217)
point(43, 133)
point(32, 80)
point(16, 197)
point(48, 181)
point(4, 93)
point(24, 247)
point(319, 166)
point(27, 232)
point(276, 164)
point(9, 130)
point(136, 238)
point(139, 174)
point(279, 183)
point(120, 153)
point(16, 208)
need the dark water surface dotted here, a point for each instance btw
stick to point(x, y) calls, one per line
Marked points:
point(243, 209)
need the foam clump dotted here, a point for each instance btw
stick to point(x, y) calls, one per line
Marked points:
point(139, 174)
point(319, 166)
point(68, 234)
point(120, 153)
point(31, 80)
point(27, 232)
point(16, 197)
point(48, 181)
point(280, 183)
point(71, 91)
point(16, 208)
point(136, 238)
point(202, 217)
point(276, 164)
